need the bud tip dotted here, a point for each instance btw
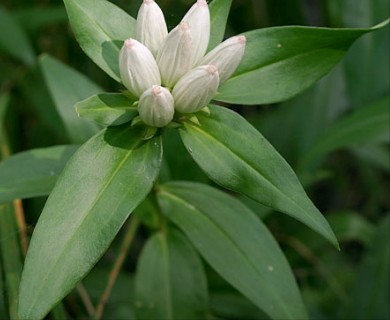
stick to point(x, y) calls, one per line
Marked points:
point(212, 70)
point(156, 90)
point(129, 43)
point(202, 3)
point(183, 26)
point(241, 39)
point(148, 1)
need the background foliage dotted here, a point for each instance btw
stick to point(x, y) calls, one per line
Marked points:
point(335, 136)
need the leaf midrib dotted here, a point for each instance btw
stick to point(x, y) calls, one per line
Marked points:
point(273, 62)
point(106, 185)
point(194, 208)
point(165, 249)
point(296, 205)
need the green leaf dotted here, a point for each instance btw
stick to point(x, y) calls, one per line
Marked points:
point(366, 125)
point(59, 312)
point(371, 54)
point(67, 87)
point(236, 244)
point(100, 186)
point(281, 62)
point(350, 226)
point(376, 155)
point(100, 28)
point(10, 256)
point(13, 39)
point(32, 173)
point(370, 296)
point(119, 304)
point(34, 18)
point(219, 13)
point(234, 306)
point(36, 92)
point(236, 156)
point(170, 281)
point(107, 109)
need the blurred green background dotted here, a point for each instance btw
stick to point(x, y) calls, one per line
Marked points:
point(335, 136)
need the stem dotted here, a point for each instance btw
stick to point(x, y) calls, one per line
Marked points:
point(21, 222)
point(125, 246)
point(85, 299)
point(5, 152)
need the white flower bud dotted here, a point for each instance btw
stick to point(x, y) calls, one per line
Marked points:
point(226, 57)
point(156, 107)
point(151, 26)
point(138, 69)
point(195, 90)
point(198, 18)
point(175, 56)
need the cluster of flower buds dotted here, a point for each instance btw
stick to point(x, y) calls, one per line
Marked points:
point(170, 72)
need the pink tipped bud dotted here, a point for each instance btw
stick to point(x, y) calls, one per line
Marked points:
point(175, 56)
point(195, 90)
point(226, 57)
point(151, 27)
point(198, 18)
point(156, 107)
point(138, 69)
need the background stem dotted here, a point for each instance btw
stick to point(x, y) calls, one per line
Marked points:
point(125, 247)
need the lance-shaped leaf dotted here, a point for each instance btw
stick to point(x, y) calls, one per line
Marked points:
point(100, 186)
point(236, 244)
point(32, 173)
point(100, 28)
point(67, 86)
point(13, 39)
point(236, 156)
point(281, 62)
point(366, 125)
point(219, 12)
point(107, 109)
point(170, 282)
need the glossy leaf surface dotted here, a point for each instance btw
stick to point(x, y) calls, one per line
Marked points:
point(236, 244)
point(32, 173)
point(100, 28)
point(100, 186)
point(107, 109)
point(281, 62)
point(170, 281)
point(67, 86)
point(236, 156)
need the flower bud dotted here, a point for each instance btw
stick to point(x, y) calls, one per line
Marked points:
point(138, 69)
point(198, 19)
point(156, 107)
point(226, 57)
point(175, 56)
point(195, 89)
point(151, 26)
